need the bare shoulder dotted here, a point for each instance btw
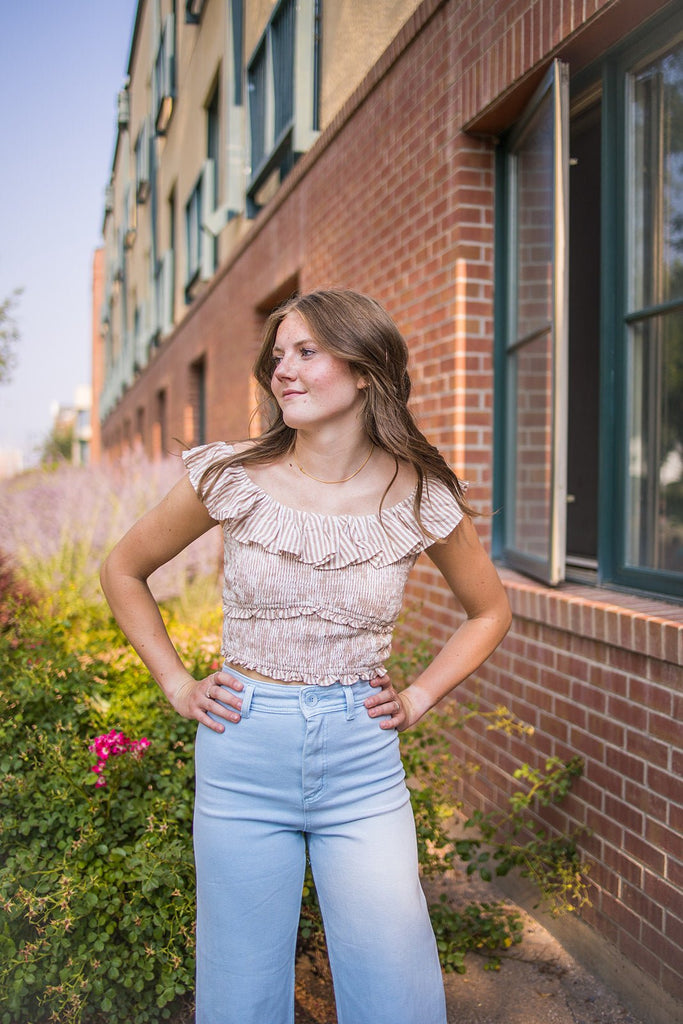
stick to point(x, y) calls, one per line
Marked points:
point(269, 475)
point(400, 475)
point(242, 447)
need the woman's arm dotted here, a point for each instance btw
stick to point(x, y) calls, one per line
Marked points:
point(159, 536)
point(473, 580)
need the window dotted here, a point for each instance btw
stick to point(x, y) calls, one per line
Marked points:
point(199, 240)
point(122, 108)
point(142, 182)
point(163, 77)
point(213, 149)
point(584, 341)
point(130, 214)
point(653, 320)
point(283, 119)
point(602, 311)
point(213, 138)
point(163, 291)
point(196, 411)
point(141, 336)
point(193, 233)
point(139, 438)
point(257, 77)
point(159, 440)
point(237, 38)
point(204, 219)
point(536, 337)
point(193, 11)
point(170, 259)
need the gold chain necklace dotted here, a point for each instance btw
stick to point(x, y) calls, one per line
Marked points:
point(344, 480)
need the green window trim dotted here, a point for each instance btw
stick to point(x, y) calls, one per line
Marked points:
point(619, 319)
point(617, 324)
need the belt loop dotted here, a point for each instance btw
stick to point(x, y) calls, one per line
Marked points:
point(350, 703)
point(247, 695)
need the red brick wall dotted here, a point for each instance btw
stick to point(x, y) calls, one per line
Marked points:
point(396, 200)
point(601, 680)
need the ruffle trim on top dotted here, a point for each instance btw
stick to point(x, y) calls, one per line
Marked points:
point(285, 676)
point(331, 615)
point(322, 541)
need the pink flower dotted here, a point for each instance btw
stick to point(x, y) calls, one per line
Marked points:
point(112, 744)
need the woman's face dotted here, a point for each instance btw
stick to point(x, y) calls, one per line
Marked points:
point(311, 386)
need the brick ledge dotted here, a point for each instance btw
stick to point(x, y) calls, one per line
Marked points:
point(641, 624)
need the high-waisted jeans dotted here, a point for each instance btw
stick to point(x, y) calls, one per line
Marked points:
point(307, 765)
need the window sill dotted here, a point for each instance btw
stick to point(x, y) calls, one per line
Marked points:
point(640, 624)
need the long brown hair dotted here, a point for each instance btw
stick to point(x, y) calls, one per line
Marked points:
point(355, 328)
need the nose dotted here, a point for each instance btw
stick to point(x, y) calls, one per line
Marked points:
point(283, 369)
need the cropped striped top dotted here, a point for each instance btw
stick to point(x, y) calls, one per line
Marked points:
point(307, 597)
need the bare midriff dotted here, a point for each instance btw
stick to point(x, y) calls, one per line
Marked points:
point(257, 675)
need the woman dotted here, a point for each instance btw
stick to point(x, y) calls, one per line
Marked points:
point(297, 745)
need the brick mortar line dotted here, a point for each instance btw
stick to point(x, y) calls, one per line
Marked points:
point(554, 609)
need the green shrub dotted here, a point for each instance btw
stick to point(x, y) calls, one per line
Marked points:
point(15, 594)
point(486, 928)
point(514, 839)
point(97, 881)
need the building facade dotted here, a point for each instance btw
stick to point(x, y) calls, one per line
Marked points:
point(507, 179)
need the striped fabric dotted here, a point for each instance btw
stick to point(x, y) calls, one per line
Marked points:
point(286, 614)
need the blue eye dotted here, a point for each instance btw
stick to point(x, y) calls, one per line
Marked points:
point(305, 352)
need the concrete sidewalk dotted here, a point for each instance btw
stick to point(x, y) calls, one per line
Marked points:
point(537, 983)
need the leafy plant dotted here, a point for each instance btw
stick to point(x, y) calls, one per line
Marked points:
point(15, 594)
point(96, 882)
point(514, 839)
point(486, 928)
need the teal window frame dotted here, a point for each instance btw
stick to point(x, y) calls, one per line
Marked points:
point(611, 74)
point(283, 90)
point(164, 76)
point(193, 235)
point(535, 336)
point(612, 523)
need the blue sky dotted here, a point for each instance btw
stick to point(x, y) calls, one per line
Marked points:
point(61, 66)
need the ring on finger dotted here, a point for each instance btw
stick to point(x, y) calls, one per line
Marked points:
point(208, 693)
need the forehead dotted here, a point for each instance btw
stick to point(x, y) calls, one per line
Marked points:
point(292, 329)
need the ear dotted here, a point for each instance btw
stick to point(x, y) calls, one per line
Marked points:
point(361, 383)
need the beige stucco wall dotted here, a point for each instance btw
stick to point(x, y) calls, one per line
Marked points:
point(256, 15)
point(355, 33)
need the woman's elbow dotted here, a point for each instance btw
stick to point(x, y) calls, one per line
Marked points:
point(504, 616)
point(106, 575)
point(112, 572)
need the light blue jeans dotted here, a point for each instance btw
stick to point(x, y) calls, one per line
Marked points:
point(306, 765)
